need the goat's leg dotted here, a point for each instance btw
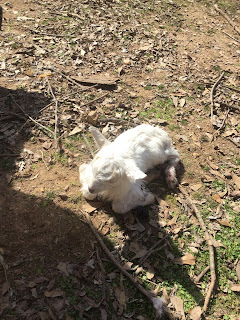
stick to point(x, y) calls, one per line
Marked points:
point(152, 175)
point(170, 174)
point(98, 137)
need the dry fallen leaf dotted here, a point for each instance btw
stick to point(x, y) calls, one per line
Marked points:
point(53, 293)
point(196, 187)
point(196, 313)
point(178, 305)
point(76, 130)
point(127, 265)
point(224, 222)
point(175, 101)
point(121, 296)
point(235, 287)
point(92, 117)
point(91, 206)
point(62, 266)
point(187, 259)
point(236, 180)
point(217, 198)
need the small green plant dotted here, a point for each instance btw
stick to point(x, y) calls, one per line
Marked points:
point(38, 270)
point(218, 185)
point(204, 138)
point(50, 195)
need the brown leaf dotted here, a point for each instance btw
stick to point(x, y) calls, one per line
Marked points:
point(224, 222)
point(235, 287)
point(127, 265)
point(187, 259)
point(34, 292)
point(47, 145)
point(150, 273)
point(140, 254)
point(103, 314)
point(236, 180)
point(196, 187)
point(76, 130)
point(62, 266)
point(91, 206)
point(213, 165)
point(217, 198)
point(175, 101)
point(121, 296)
point(5, 288)
point(178, 305)
point(169, 255)
point(196, 313)
point(182, 102)
point(53, 293)
point(134, 247)
point(92, 117)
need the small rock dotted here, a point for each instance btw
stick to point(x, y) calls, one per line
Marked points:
point(63, 196)
point(66, 188)
point(92, 117)
point(127, 61)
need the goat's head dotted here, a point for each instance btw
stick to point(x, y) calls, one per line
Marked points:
point(106, 173)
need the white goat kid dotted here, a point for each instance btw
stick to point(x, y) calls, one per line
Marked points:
point(118, 171)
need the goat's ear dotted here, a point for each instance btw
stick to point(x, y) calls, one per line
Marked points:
point(135, 174)
point(99, 139)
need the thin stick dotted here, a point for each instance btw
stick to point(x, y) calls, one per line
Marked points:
point(227, 18)
point(56, 110)
point(212, 93)
point(30, 118)
point(208, 239)
point(229, 35)
point(144, 258)
point(222, 125)
point(103, 300)
point(90, 102)
point(201, 274)
point(2, 155)
point(151, 297)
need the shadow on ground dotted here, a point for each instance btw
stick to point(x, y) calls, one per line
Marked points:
point(50, 267)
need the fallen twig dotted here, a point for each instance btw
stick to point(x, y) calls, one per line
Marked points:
point(222, 125)
point(158, 303)
point(151, 250)
point(92, 101)
point(30, 118)
point(56, 111)
point(208, 239)
point(2, 155)
point(103, 300)
point(212, 93)
point(230, 36)
point(201, 274)
point(227, 18)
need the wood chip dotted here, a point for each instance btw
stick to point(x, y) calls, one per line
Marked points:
point(97, 79)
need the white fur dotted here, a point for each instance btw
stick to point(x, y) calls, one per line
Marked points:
point(118, 171)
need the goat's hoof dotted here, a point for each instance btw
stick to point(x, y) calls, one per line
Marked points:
point(172, 183)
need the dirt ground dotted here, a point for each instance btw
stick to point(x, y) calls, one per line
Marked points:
point(163, 59)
